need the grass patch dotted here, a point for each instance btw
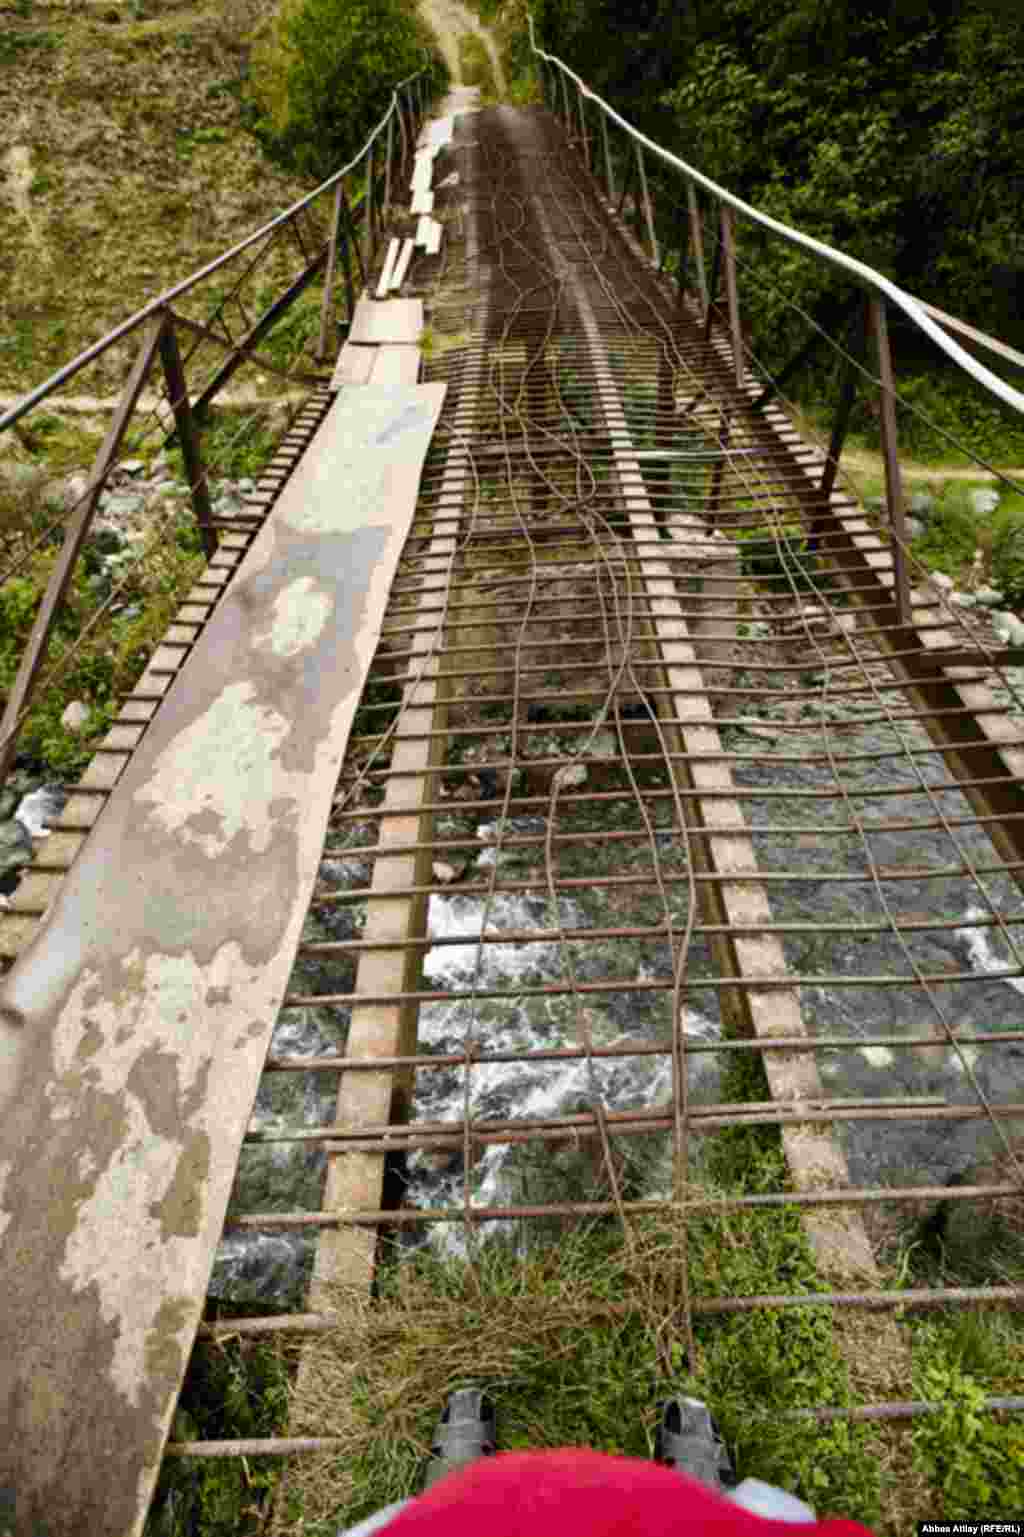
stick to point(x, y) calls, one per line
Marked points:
point(545, 1333)
point(571, 1332)
point(233, 1388)
point(475, 67)
point(14, 45)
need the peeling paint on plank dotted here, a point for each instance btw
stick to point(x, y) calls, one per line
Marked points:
point(134, 1028)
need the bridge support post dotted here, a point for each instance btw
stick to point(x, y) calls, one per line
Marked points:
point(584, 136)
point(609, 175)
point(338, 235)
point(648, 211)
point(847, 396)
point(369, 240)
point(386, 205)
point(567, 116)
point(351, 245)
point(627, 182)
point(879, 333)
point(732, 293)
point(712, 294)
point(697, 241)
point(403, 160)
point(188, 436)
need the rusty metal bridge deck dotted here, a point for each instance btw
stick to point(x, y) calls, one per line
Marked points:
point(652, 771)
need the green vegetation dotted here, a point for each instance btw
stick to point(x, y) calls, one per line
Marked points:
point(475, 65)
point(781, 559)
point(106, 663)
point(546, 1333)
point(568, 1364)
point(895, 133)
point(954, 534)
point(975, 1459)
point(323, 74)
point(13, 44)
point(233, 1388)
point(99, 665)
point(940, 409)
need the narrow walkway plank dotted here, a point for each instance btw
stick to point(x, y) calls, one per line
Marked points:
point(354, 366)
point(395, 320)
point(134, 1028)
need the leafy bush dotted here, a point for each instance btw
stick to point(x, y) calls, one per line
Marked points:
point(950, 537)
point(975, 1460)
point(106, 663)
point(1006, 555)
point(235, 1388)
point(324, 72)
point(782, 560)
point(940, 406)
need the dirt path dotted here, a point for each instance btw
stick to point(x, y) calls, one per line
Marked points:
point(450, 21)
point(862, 462)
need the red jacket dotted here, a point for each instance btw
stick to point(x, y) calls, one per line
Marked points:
point(575, 1492)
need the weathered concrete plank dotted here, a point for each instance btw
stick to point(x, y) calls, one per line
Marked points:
point(134, 1028)
point(395, 365)
point(354, 366)
point(394, 247)
point(403, 265)
point(393, 320)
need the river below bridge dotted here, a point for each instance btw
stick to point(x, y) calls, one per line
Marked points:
point(287, 1177)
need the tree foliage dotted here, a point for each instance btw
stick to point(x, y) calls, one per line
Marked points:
point(894, 128)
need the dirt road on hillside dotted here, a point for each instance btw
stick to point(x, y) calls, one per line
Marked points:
point(450, 21)
point(862, 462)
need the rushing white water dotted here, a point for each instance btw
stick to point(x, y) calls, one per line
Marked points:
point(980, 950)
point(524, 1091)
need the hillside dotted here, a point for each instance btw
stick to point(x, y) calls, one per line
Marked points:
point(127, 164)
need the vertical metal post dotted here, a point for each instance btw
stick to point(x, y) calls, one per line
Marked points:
point(350, 226)
point(683, 269)
point(716, 262)
point(74, 537)
point(565, 105)
point(370, 242)
point(386, 205)
point(697, 241)
point(732, 294)
point(627, 182)
point(609, 175)
point(879, 331)
point(404, 157)
point(648, 211)
point(188, 436)
point(847, 396)
point(327, 298)
point(584, 136)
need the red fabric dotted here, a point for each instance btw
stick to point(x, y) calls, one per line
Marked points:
point(575, 1492)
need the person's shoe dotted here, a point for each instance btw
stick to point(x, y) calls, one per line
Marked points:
point(466, 1430)
point(688, 1440)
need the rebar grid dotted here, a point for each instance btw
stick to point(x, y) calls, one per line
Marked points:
point(566, 836)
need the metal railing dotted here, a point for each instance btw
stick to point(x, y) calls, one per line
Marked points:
point(878, 296)
point(235, 314)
